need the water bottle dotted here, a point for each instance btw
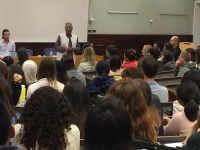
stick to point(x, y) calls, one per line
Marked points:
point(23, 94)
point(51, 53)
point(13, 54)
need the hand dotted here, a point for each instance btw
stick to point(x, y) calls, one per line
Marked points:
point(68, 49)
point(2, 62)
point(178, 63)
point(161, 58)
point(17, 78)
point(166, 120)
point(1, 57)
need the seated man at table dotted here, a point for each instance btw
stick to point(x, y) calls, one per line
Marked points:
point(68, 60)
point(150, 69)
point(6, 45)
point(22, 54)
point(129, 59)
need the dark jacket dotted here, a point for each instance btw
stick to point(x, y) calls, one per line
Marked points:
point(98, 86)
point(169, 65)
point(193, 142)
point(177, 52)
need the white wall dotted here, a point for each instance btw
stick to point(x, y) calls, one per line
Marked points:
point(196, 25)
point(105, 23)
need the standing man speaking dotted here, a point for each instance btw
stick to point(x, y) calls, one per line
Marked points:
point(67, 43)
point(6, 45)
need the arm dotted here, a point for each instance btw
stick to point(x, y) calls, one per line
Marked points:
point(58, 46)
point(192, 130)
point(80, 68)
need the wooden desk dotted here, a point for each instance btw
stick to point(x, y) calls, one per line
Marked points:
point(165, 74)
point(171, 80)
point(36, 59)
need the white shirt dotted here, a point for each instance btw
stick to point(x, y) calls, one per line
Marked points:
point(6, 49)
point(40, 83)
point(73, 137)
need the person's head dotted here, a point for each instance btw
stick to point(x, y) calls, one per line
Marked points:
point(8, 60)
point(61, 72)
point(47, 123)
point(89, 56)
point(192, 53)
point(6, 129)
point(198, 56)
point(188, 95)
point(192, 76)
point(150, 67)
point(174, 41)
point(168, 56)
point(154, 52)
point(22, 54)
point(3, 70)
point(159, 45)
point(111, 50)
point(68, 28)
point(115, 63)
point(184, 57)
point(130, 93)
point(129, 55)
point(30, 71)
point(102, 68)
point(107, 127)
point(133, 73)
point(6, 95)
point(145, 50)
point(6, 34)
point(139, 64)
point(169, 47)
point(79, 98)
point(15, 68)
point(47, 69)
point(68, 61)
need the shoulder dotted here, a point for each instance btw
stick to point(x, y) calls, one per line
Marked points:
point(62, 34)
point(193, 141)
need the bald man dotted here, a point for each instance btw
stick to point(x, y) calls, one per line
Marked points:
point(175, 43)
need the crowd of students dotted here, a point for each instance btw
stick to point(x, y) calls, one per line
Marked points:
point(60, 108)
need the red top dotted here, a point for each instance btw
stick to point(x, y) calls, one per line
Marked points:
point(130, 64)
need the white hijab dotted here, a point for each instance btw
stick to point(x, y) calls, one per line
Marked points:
point(30, 70)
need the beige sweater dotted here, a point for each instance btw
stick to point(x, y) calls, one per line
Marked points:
point(178, 125)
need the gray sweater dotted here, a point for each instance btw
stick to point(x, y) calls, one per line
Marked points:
point(179, 71)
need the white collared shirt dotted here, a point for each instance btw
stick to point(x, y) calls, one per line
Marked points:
point(6, 49)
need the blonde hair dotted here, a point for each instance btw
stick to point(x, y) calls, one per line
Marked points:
point(146, 49)
point(89, 56)
point(130, 93)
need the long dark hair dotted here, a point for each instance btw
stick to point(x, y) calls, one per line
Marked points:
point(188, 93)
point(80, 101)
point(108, 127)
point(44, 119)
point(6, 94)
point(198, 56)
point(61, 73)
point(47, 69)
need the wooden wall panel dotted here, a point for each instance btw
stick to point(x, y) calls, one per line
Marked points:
point(122, 42)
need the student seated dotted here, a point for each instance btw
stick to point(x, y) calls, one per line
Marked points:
point(46, 76)
point(61, 72)
point(133, 73)
point(88, 61)
point(149, 70)
point(108, 127)
point(111, 50)
point(45, 123)
point(79, 98)
point(132, 97)
point(98, 86)
point(129, 59)
point(183, 64)
point(22, 54)
point(115, 65)
point(145, 50)
point(188, 95)
point(8, 60)
point(168, 61)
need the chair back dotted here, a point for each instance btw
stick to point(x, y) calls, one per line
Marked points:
point(184, 45)
point(49, 51)
point(30, 52)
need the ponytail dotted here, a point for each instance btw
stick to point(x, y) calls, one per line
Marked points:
point(191, 110)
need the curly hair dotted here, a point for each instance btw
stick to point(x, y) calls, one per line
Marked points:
point(44, 119)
